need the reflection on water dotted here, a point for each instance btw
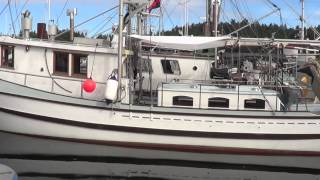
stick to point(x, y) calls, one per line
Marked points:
point(27, 157)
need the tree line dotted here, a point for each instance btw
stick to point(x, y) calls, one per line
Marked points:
point(253, 31)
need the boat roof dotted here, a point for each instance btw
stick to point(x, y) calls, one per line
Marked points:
point(68, 46)
point(223, 89)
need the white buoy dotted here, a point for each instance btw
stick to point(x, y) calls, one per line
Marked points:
point(111, 89)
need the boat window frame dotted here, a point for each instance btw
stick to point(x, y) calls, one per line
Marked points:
point(165, 63)
point(60, 73)
point(219, 105)
point(3, 59)
point(258, 101)
point(146, 65)
point(73, 73)
point(176, 101)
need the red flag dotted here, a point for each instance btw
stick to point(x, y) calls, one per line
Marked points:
point(155, 4)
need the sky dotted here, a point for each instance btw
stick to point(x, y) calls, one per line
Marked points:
point(173, 10)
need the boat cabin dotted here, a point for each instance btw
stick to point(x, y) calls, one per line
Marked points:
point(232, 97)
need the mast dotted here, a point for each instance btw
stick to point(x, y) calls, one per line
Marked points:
point(49, 10)
point(215, 16)
point(302, 20)
point(207, 26)
point(215, 28)
point(120, 47)
point(186, 27)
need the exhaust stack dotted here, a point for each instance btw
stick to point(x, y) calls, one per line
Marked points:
point(26, 24)
point(72, 13)
point(52, 30)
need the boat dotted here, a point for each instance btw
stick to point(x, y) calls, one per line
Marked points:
point(47, 91)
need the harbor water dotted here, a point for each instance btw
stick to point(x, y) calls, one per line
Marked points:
point(37, 159)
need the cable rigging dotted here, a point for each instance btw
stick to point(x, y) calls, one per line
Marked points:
point(90, 19)
point(64, 6)
point(4, 8)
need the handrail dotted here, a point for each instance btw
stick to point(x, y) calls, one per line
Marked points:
point(70, 79)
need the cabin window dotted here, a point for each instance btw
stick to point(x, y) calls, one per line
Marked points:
point(182, 101)
point(80, 65)
point(218, 102)
point(7, 56)
point(170, 67)
point(145, 65)
point(61, 62)
point(255, 104)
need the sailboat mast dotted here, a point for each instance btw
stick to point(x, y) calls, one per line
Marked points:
point(49, 10)
point(186, 28)
point(215, 21)
point(120, 44)
point(302, 20)
point(207, 26)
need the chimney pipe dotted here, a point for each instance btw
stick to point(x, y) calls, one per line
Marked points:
point(72, 13)
point(26, 24)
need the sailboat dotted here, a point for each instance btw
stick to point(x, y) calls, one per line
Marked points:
point(46, 92)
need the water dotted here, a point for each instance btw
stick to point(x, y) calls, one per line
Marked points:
point(38, 159)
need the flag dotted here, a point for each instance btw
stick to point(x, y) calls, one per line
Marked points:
point(155, 4)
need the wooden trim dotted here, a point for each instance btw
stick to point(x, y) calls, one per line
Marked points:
point(2, 58)
point(55, 72)
point(79, 75)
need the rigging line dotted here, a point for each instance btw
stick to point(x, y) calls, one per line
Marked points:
point(250, 19)
point(4, 8)
point(273, 4)
point(84, 22)
point(94, 59)
point(50, 75)
point(100, 23)
point(14, 29)
point(269, 2)
point(109, 19)
point(257, 20)
point(313, 29)
point(24, 5)
point(103, 32)
point(15, 7)
point(169, 17)
point(169, 14)
point(239, 12)
point(64, 6)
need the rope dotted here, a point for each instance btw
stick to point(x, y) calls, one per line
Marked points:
point(54, 81)
point(94, 59)
point(12, 23)
point(98, 32)
point(84, 22)
point(64, 6)
point(4, 8)
point(24, 5)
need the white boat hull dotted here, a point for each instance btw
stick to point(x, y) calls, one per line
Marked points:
point(44, 115)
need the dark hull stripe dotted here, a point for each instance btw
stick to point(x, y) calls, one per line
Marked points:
point(183, 148)
point(164, 162)
point(165, 132)
point(228, 114)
